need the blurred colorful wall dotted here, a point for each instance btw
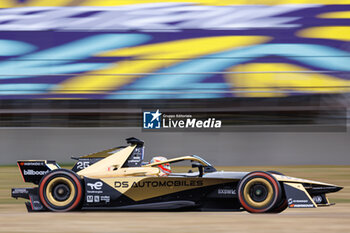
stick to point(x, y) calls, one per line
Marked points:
point(181, 49)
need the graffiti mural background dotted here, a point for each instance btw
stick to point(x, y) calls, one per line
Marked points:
point(178, 49)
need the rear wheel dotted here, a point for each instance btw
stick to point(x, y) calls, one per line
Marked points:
point(259, 192)
point(61, 190)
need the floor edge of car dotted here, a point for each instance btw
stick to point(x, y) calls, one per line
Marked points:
point(168, 205)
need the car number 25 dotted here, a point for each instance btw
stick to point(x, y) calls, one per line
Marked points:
point(82, 164)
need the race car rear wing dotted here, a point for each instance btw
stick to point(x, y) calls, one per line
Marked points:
point(33, 170)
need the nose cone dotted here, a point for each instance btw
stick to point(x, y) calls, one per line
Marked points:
point(337, 188)
point(334, 189)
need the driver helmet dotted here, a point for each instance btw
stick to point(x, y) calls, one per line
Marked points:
point(164, 168)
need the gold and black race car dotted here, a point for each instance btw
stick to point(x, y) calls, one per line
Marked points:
point(118, 179)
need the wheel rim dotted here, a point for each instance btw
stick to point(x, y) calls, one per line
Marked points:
point(60, 191)
point(258, 193)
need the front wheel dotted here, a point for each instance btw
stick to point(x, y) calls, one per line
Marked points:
point(61, 190)
point(259, 192)
point(276, 173)
point(280, 207)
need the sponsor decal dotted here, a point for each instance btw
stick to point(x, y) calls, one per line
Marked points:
point(95, 186)
point(106, 199)
point(227, 191)
point(32, 163)
point(302, 205)
point(20, 190)
point(157, 120)
point(97, 199)
point(94, 191)
point(317, 199)
point(297, 196)
point(37, 205)
point(156, 184)
point(136, 158)
point(35, 173)
point(299, 203)
point(89, 198)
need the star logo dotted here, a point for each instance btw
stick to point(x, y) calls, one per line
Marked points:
point(151, 120)
point(156, 115)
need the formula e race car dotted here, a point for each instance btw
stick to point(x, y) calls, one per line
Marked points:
point(118, 179)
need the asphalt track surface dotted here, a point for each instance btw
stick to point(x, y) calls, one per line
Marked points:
point(14, 218)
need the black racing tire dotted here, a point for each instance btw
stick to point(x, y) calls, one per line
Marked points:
point(61, 190)
point(280, 207)
point(276, 173)
point(259, 192)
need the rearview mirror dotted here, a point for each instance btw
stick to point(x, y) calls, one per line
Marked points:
point(200, 168)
